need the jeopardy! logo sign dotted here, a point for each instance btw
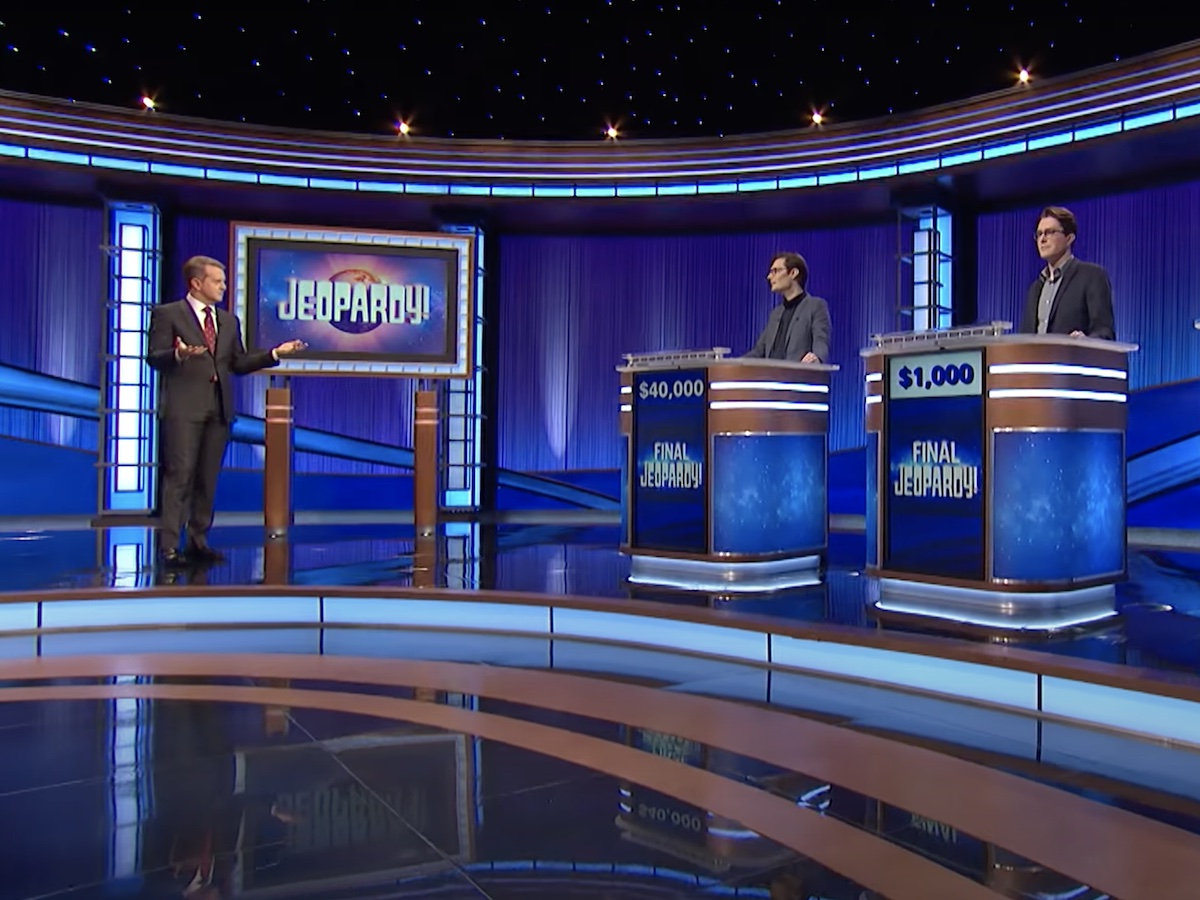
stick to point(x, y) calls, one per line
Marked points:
point(671, 468)
point(354, 301)
point(934, 470)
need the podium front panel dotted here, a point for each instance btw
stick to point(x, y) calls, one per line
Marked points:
point(670, 455)
point(725, 470)
point(1058, 505)
point(934, 521)
point(997, 464)
point(769, 493)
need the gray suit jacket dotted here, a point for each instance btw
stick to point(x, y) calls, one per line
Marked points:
point(1083, 302)
point(808, 333)
point(186, 386)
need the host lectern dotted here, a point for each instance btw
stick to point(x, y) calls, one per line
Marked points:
point(996, 464)
point(724, 469)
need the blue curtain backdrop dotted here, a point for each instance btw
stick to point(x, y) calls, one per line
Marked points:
point(1148, 240)
point(375, 409)
point(570, 306)
point(52, 282)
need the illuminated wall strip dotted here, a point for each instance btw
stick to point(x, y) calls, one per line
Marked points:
point(871, 401)
point(1054, 394)
point(1155, 80)
point(768, 386)
point(952, 136)
point(873, 377)
point(932, 264)
point(130, 389)
point(626, 407)
point(1055, 369)
point(769, 404)
point(626, 389)
point(647, 183)
point(463, 436)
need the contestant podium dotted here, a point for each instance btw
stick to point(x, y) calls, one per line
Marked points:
point(996, 473)
point(724, 470)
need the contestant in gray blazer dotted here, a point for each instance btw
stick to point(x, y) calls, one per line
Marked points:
point(798, 328)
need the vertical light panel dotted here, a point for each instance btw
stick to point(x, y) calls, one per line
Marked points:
point(462, 436)
point(128, 482)
point(940, 221)
point(930, 260)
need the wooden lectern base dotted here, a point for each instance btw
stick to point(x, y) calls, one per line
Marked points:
point(277, 465)
point(425, 464)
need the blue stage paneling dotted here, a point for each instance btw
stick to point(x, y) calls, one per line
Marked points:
point(52, 287)
point(570, 306)
point(375, 409)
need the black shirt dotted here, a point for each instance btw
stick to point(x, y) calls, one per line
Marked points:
point(779, 348)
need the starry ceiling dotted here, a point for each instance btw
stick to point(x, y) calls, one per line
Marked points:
point(560, 69)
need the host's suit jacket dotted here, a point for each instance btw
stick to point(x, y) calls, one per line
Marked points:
point(1083, 303)
point(187, 386)
point(808, 332)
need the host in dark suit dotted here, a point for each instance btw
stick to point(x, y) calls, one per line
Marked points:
point(1070, 296)
point(197, 348)
point(798, 328)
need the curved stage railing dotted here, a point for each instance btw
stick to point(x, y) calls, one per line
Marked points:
point(1130, 95)
point(1119, 698)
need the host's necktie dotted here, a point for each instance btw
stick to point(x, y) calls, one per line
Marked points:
point(210, 331)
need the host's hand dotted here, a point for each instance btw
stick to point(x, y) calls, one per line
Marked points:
point(185, 351)
point(810, 358)
point(287, 348)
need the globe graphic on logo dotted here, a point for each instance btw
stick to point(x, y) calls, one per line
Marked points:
point(354, 276)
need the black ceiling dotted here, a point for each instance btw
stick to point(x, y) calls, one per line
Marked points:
point(560, 69)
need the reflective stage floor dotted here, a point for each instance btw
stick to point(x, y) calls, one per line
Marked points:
point(1154, 623)
point(220, 765)
point(220, 799)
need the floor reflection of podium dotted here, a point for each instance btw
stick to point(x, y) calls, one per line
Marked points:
point(400, 805)
point(724, 480)
point(721, 846)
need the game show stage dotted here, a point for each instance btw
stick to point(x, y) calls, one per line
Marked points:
point(524, 582)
